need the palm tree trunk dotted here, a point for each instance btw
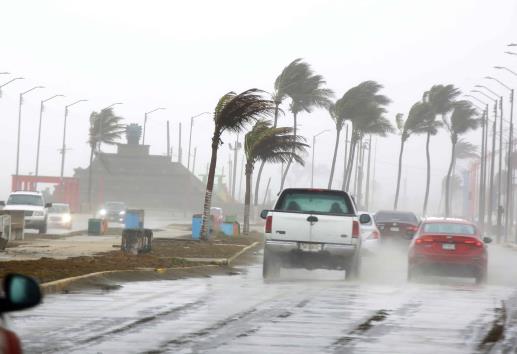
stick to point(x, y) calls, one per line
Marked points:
point(290, 160)
point(428, 180)
point(90, 180)
point(247, 199)
point(257, 183)
point(338, 133)
point(350, 163)
point(210, 187)
point(343, 185)
point(395, 204)
point(448, 183)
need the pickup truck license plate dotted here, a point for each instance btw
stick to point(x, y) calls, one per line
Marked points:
point(394, 229)
point(448, 246)
point(310, 247)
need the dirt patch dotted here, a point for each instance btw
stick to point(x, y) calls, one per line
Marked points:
point(166, 253)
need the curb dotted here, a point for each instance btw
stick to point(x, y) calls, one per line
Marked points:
point(57, 286)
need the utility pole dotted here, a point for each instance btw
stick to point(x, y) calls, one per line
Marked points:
point(235, 150)
point(240, 177)
point(168, 141)
point(509, 173)
point(194, 162)
point(41, 109)
point(230, 172)
point(500, 177)
point(180, 150)
point(20, 103)
point(367, 197)
point(492, 170)
point(266, 192)
point(63, 146)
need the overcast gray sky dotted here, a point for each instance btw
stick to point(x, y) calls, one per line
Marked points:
point(185, 55)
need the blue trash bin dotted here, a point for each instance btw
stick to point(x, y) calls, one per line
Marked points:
point(197, 222)
point(134, 219)
point(227, 229)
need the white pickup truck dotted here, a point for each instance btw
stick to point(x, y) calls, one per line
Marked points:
point(312, 228)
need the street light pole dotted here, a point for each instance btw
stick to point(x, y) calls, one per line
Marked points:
point(145, 121)
point(509, 172)
point(63, 146)
point(482, 169)
point(313, 149)
point(20, 126)
point(39, 130)
point(190, 135)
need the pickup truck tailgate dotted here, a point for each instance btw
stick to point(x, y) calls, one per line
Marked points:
point(332, 229)
point(290, 227)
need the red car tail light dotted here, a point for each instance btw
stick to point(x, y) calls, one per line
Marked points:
point(476, 243)
point(355, 229)
point(374, 235)
point(269, 224)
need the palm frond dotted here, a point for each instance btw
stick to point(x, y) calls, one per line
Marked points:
point(465, 150)
point(442, 97)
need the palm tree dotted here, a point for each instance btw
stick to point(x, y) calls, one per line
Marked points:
point(312, 94)
point(440, 99)
point(462, 120)
point(105, 127)
point(288, 83)
point(364, 107)
point(232, 113)
point(271, 145)
point(416, 123)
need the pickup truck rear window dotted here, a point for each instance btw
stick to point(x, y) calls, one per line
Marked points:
point(315, 202)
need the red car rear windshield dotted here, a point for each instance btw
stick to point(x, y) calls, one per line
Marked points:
point(315, 202)
point(449, 228)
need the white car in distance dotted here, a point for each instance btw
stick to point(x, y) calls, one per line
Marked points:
point(370, 234)
point(34, 206)
point(59, 215)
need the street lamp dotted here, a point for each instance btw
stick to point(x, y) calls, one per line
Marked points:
point(20, 125)
point(63, 147)
point(511, 53)
point(510, 148)
point(8, 82)
point(145, 121)
point(39, 129)
point(314, 148)
point(190, 135)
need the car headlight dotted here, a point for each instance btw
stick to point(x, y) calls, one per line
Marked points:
point(67, 218)
point(38, 213)
point(122, 213)
point(103, 212)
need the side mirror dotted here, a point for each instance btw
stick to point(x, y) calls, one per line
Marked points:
point(48, 205)
point(487, 239)
point(21, 292)
point(365, 219)
point(263, 214)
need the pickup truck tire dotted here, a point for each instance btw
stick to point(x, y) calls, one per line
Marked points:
point(270, 265)
point(353, 268)
point(43, 229)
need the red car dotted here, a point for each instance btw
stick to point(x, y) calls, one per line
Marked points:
point(450, 247)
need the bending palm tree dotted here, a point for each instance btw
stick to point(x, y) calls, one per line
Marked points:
point(272, 145)
point(288, 83)
point(462, 120)
point(311, 95)
point(105, 127)
point(440, 99)
point(364, 107)
point(232, 113)
point(416, 123)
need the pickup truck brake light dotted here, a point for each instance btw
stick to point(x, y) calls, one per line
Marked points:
point(269, 224)
point(355, 229)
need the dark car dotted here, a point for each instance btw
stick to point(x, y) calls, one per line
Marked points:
point(113, 211)
point(396, 225)
point(449, 247)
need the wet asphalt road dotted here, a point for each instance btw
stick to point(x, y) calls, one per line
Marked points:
point(302, 312)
